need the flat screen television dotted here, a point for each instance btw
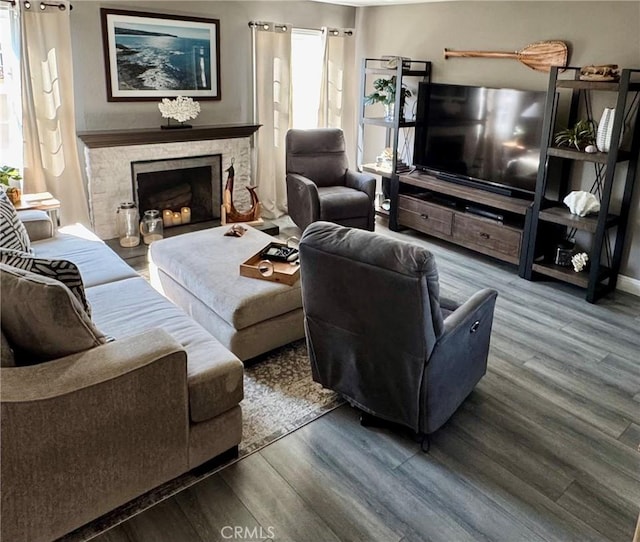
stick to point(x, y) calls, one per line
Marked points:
point(478, 136)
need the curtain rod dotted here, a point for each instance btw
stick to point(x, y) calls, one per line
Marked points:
point(263, 25)
point(340, 31)
point(42, 5)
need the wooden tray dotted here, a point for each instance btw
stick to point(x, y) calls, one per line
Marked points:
point(283, 272)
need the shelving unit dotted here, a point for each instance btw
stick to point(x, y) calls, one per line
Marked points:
point(374, 68)
point(550, 221)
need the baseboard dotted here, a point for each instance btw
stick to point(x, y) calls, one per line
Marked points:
point(629, 285)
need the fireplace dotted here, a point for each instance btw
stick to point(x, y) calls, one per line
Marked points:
point(194, 182)
point(109, 155)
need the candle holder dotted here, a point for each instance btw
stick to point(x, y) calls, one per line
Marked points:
point(167, 218)
point(151, 226)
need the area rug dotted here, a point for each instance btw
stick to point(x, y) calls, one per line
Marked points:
point(279, 397)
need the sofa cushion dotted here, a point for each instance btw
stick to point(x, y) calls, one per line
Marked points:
point(13, 234)
point(37, 223)
point(214, 375)
point(62, 270)
point(41, 318)
point(97, 263)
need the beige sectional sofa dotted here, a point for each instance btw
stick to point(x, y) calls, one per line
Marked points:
point(86, 433)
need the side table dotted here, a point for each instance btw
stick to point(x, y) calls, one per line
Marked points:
point(41, 201)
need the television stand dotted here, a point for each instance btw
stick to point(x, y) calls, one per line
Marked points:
point(471, 217)
point(482, 211)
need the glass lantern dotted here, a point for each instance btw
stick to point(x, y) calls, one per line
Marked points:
point(151, 226)
point(128, 219)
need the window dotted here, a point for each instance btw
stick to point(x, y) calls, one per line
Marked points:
point(306, 75)
point(10, 102)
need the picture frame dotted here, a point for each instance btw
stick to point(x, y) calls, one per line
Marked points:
point(150, 56)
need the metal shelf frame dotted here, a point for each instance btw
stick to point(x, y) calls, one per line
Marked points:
point(373, 68)
point(605, 259)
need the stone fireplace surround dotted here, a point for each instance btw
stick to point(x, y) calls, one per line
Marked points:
point(108, 156)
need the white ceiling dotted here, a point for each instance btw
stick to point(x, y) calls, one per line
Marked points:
point(364, 3)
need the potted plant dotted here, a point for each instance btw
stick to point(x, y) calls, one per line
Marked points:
point(581, 135)
point(10, 177)
point(385, 93)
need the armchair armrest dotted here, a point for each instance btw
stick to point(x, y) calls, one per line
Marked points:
point(303, 202)
point(361, 181)
point(479, 307)
point(448, 305)
point(365, 183)
point(37, 223)
point(459, 359)
point(85, 433)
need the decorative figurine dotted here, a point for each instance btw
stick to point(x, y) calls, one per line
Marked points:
point(229, 212)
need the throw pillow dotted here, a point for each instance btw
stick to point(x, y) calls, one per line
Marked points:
point(65, 271)
point(42, 319)
point(13, 234)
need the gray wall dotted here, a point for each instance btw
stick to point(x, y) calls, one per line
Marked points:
point(597, 32)
point(93, 112)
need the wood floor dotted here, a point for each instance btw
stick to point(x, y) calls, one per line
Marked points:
point(545, 448)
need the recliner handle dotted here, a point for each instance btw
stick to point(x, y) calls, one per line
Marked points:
point(474, 326)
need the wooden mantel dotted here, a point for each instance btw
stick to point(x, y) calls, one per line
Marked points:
point(144, 136)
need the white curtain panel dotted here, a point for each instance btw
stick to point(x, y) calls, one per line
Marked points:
point(11, 147)
point(330, 112)
point(51, 155)
point(273, 86)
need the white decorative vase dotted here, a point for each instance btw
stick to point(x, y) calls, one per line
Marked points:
point(605, 130)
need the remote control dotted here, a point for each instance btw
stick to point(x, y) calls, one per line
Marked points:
point(280, 253)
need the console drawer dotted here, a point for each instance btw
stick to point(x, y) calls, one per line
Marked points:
point(423, 216)
point(471, 230)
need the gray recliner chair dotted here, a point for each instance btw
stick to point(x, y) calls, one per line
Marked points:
point(320, 185)
point(378, 333)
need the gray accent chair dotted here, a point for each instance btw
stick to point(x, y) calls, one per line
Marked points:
point(378, 332)
point(320, 185)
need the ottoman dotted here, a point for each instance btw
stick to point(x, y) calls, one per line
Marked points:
point(200, 272)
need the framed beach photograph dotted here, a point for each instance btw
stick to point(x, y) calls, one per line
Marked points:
point(149, 56)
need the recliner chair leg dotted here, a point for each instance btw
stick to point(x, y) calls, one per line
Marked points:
point(369, 420)
point(425, 444)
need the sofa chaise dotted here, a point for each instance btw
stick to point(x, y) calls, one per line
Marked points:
point(90, 431)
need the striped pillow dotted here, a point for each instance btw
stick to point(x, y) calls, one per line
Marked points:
point(61, 270)
point(13, 234)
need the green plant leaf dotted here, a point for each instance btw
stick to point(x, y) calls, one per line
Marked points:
point(8, 173)
point(581, 134)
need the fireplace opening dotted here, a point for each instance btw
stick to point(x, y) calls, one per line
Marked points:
point(189, 189)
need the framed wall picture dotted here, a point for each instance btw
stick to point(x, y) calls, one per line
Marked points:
point(149, 56)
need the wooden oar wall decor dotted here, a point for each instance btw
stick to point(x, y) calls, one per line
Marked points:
point(538, 56)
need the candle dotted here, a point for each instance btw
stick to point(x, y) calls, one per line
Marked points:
point(167, 218)
point(185, 213)
point(177, 219)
